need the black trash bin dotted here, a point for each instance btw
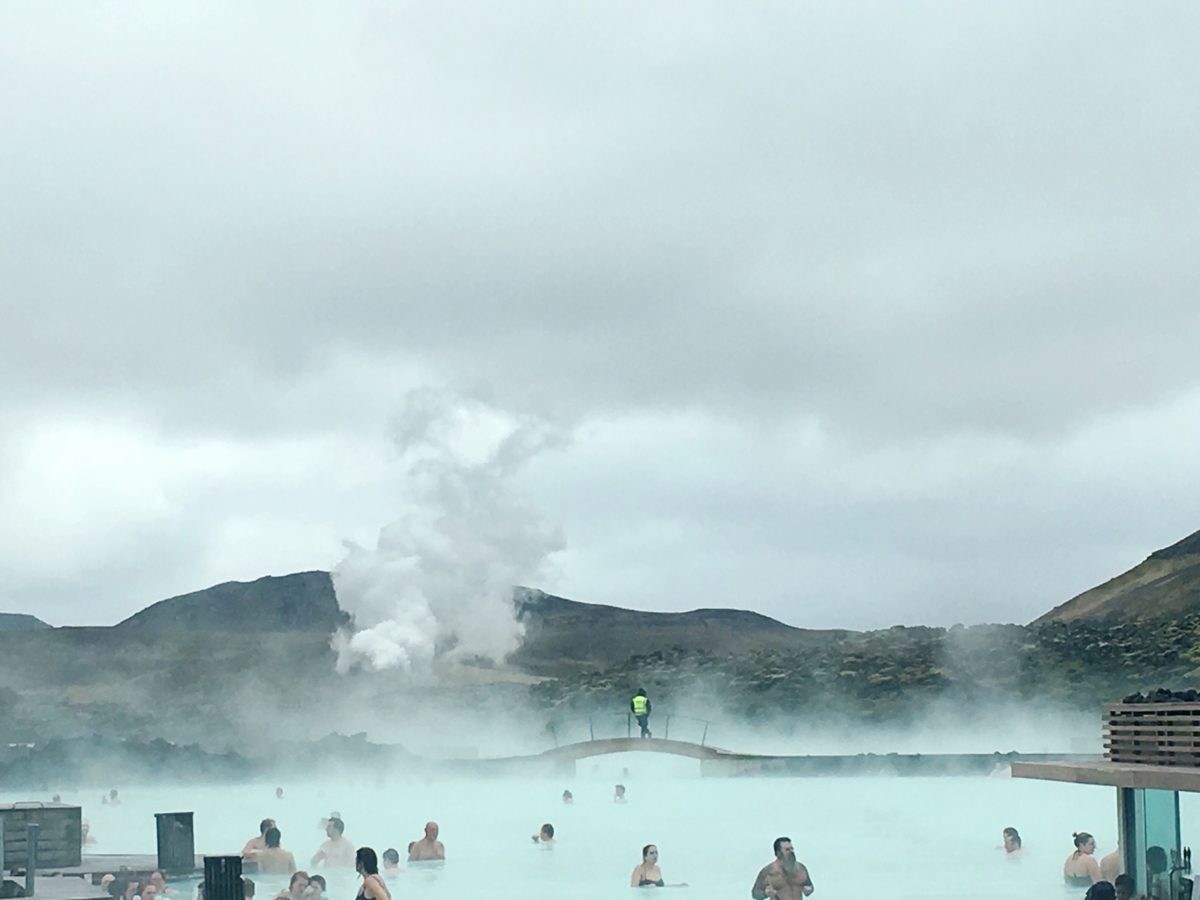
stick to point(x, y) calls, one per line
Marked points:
point(223, 878)
point(176, 846)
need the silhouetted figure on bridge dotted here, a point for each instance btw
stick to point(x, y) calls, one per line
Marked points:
point(640, 706)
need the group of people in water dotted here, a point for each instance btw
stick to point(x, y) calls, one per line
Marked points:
point(1102, 878)
point(784, 878)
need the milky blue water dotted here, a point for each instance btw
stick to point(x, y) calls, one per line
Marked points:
point(860, 837)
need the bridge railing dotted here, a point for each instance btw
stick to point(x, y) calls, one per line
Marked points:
point(600, 727)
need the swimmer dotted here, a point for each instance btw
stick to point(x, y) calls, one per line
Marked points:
point(1081, 868)
point(337, 851)
point(273, 859)
point(1012, 843)
point(1124, 887)
point(148, 892)
point(428, 847)
point(647, 873)
point(297, 888)
point(85, 833)
point(545, 836)
point(278, 793)
point(113, 799)
point(248, 888)
point(367, 866)
point(568, 797)
point(1111, 866)
point(257, 844)
point(391, 861)
point(619, 794)
point(316, 887)
point(785, 877)
point(160, 884)
point(1101, 890)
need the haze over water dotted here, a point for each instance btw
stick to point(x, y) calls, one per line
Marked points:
point(860, 837)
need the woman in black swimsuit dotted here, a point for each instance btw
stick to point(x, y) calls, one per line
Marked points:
point(647, 874)
point(367, 865)
point(1081, 868)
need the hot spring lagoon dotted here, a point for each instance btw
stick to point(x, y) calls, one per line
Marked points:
point(860, 837)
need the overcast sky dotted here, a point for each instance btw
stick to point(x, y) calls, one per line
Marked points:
point(855, 315)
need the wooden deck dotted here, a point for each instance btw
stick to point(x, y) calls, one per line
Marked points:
point(47, 887)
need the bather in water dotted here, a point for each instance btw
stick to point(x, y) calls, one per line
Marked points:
point(367, 865)
point(1081, 868)
point(647, 873)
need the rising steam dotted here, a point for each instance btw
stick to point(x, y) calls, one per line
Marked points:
point(441, 577)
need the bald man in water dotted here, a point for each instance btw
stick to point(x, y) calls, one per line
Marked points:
point(784, 878)
point(428, 847)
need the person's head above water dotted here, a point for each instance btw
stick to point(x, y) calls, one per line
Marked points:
point(1084, 842)
point(271, 836)
point(299, 880)
point(431, 831)
point(317, 881)
point(1101, 890)
point(1012, 840)
point(1125, 887)
point(568, 797)
point(335, 827)
point(547, 832)
point(647, 851)
point(619, 790)
point(366, 862)
point(391, 857)
point(265, 824)
point(1156, 860)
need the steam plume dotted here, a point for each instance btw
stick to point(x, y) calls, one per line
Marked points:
point(441, 577)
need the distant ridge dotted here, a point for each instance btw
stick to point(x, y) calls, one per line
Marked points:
point(1164, 585)
point(304, 601)
point(21, 622)
point(567, 633)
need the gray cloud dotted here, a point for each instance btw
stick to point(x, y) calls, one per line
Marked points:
point(851, 309)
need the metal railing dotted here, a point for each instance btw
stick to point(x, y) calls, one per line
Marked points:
point(600, 727)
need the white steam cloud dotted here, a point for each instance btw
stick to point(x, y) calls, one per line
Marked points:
point(441, 578)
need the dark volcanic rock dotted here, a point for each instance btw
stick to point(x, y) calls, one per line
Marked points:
point(304, 601)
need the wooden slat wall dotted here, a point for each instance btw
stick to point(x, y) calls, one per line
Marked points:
point(59, 836)
point(1159, 734)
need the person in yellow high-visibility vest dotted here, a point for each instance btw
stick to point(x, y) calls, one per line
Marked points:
point(640, 706)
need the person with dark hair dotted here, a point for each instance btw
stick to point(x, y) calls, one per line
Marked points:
point(367, 865)
point(619, 793)
point(647, 873)
point(248, 888)
point(640, 707)
point(429, 847)
point(316, 888)
point(568, 797)
point(1157, 885)
point(256, 844)
point(1012, 842)
point(785, 877)
point(273, 859)
point(1081, 868)
point(1101, 890)
point(1124, 887)
point(391, 861)
point(545, 835)
point(337, 851)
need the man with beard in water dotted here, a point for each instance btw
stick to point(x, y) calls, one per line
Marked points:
point(784, 878)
